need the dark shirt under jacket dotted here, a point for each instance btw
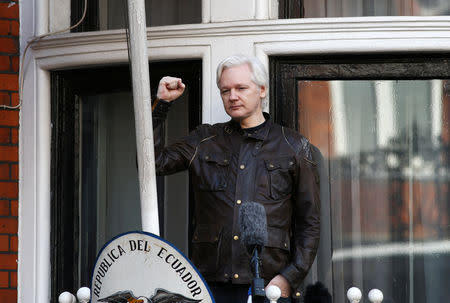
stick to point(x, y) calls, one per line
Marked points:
point(270, 165)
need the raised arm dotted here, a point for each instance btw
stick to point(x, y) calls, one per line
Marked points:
point(177, 156)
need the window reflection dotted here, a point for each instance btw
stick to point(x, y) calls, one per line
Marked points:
point(356, 8)
point(386, 146)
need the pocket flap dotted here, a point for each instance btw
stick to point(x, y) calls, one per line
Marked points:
point(219, 158)
point(278, 238)
point(206, 233)
point(276, 163)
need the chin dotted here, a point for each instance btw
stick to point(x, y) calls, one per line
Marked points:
point(236, 115)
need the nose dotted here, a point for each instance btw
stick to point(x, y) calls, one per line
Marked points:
point(233, 94)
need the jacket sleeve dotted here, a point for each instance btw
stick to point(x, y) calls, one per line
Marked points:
point(306, 219)
point(177, 156)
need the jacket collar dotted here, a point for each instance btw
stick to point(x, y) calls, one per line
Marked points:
point(260, 134)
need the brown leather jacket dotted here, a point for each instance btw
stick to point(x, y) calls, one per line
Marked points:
point(272, 166)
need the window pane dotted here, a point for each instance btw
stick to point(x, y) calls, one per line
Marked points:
point(113, 155)
point(109, 200)
point(113, 14)
point(386, 149)
point(356, 8)
point(94, 171)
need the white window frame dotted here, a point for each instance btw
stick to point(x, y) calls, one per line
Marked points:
point(208, 42)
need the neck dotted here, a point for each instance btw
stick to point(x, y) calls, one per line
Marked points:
point(252, 121)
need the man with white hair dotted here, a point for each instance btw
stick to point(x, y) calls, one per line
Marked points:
point(249, 158)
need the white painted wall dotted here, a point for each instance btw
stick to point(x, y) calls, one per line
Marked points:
point(235, 10)
point(59, 16)
point(232, 10)
point(34, 156)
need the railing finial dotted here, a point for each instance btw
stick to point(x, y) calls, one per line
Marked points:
point(375, 296)
point(354, 295)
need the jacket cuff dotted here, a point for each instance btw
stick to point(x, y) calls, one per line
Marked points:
point(160, 108)
point(294, 277)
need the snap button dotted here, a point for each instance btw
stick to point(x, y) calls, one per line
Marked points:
point(297, 294)
point(236, 276)
point(236, 238)
point(242, 166)
point(206, 157)
point(271, 166)
point(238, 202)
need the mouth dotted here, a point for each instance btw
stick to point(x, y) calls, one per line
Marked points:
point(235, 107)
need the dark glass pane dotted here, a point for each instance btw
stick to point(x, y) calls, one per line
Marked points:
point(107, 14)
point(95, 188)
point(386, 146)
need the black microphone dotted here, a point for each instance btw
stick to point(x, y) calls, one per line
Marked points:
point(253, 225)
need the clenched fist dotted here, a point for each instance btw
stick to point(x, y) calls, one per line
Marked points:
point(170, 88)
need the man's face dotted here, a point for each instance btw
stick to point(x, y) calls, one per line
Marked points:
point(240, 95)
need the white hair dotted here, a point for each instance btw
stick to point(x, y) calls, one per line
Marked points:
point(259, 74)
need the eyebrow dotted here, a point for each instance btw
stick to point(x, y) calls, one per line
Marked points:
point(235, 85)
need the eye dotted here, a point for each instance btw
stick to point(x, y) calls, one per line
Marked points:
point(225, 91)
point(242, 88)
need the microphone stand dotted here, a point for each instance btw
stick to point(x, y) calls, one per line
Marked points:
point(258, 293)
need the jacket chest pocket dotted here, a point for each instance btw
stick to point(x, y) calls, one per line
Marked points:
point(213, 171)
point(280, 172)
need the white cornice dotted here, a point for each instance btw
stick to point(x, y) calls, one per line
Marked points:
point(272, 37)
point(427, 27)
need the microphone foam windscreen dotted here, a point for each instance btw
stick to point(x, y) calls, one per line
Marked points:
point(253, 224)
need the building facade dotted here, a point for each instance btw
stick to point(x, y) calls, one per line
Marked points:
point(9, 153)
point(368, 82)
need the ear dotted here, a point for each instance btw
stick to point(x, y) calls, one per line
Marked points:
point(262, 91)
